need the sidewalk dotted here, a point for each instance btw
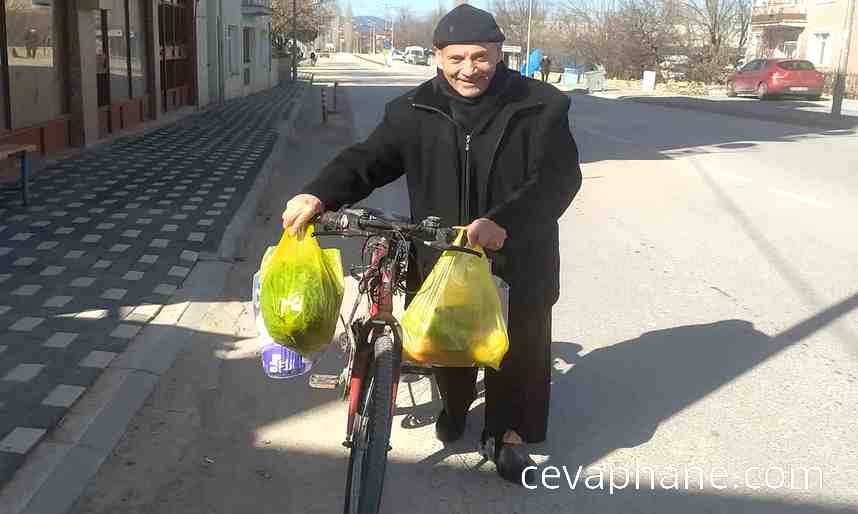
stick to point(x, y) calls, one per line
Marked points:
point(110, 236)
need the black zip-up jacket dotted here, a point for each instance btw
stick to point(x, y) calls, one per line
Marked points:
point(528, 175)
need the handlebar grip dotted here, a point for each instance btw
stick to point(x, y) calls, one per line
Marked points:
point(333, 221)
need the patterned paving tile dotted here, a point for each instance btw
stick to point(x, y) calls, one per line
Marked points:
point(110, 236)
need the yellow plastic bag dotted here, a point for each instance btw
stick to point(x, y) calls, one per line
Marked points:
point(301, 292)
point(456, 318)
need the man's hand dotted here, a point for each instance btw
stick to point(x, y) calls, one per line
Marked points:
point(299, 211)
point(486, 233)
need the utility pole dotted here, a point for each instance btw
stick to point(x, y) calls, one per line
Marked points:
point(387, 6)
point(294, 41)
point(527, 56)
point(843, 62)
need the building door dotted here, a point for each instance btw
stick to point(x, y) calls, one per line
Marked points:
point(175, 34)
point(215, 64)
point(102, 58)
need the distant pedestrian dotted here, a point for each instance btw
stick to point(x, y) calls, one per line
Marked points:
point(313, 58)
point(545, 67)
point(31, 42)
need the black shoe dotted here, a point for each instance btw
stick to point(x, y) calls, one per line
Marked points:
point(446, 430)
point(511, 461)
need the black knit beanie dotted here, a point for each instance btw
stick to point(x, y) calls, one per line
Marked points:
point(466, 24)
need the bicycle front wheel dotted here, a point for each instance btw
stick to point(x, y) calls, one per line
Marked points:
point(371, 431)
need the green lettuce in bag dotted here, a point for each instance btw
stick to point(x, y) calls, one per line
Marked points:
point(301, 292)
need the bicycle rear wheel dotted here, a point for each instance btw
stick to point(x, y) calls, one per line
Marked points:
point(371, 431)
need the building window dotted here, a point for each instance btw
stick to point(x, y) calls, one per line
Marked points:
point(232, 49)
point(34, 55)
point(248, 45)
point(102, 57)
point(120, 57)
point(264, 50)
point(117, 51)
point(137, 48)
point(819, 49)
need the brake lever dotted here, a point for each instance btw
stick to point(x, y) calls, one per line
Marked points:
point(446, 247)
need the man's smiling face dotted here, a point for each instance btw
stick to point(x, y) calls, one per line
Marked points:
point(469, 68)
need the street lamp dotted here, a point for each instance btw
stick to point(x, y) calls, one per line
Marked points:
point(527, 55)
point(294, 40)
point(843, 63)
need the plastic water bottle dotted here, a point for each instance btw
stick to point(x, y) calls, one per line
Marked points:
point(281, 362)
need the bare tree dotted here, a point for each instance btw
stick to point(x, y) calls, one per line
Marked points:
point(594, 33)
point(727, 27)
point(417, 30)
point(303, 25)
point(625, 36)
point(650, 29)
point(409, 28)
point(744, 10)
point(511, 16)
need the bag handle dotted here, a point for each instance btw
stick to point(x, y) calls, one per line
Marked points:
point(492, 257)
point(462, 240)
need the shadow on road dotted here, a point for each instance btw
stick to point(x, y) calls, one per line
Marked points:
point(650, 132)
point(614, 397)
point(782, 111)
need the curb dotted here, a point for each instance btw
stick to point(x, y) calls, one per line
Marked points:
point(58, 470)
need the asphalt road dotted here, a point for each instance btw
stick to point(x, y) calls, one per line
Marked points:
point(706, 329)
point(784, 110)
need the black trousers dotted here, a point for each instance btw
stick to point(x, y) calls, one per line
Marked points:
point(517, 396)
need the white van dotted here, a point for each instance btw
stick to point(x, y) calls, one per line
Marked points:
point(416, 55)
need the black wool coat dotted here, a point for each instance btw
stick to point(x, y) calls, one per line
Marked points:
point(528, 175)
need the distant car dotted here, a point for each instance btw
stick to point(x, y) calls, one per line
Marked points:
point(416, 56)
point(397, 55)
point(765, 78)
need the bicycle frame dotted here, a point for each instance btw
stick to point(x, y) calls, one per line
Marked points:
point(380, 317)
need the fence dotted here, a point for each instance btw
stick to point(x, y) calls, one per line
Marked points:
point(851, 84)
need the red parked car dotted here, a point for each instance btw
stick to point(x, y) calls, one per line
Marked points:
point(770, 77)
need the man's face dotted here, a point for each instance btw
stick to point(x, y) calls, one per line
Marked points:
point(469, 68)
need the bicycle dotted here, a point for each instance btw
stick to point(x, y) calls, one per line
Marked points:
point(373, 344)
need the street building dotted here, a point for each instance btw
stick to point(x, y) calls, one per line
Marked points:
point(804, 29)
point(74, 72)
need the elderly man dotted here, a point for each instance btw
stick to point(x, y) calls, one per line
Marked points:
point(480, 146)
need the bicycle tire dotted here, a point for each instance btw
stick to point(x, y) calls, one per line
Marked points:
point(371, 433)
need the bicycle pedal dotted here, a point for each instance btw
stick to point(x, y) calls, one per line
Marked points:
point(324, 381)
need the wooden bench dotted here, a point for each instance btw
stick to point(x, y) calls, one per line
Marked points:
point(22, 152)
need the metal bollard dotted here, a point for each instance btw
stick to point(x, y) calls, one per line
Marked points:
point(335, 97)
point(324, 107)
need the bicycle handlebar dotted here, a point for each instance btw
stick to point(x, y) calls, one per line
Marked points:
point(363, 223)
